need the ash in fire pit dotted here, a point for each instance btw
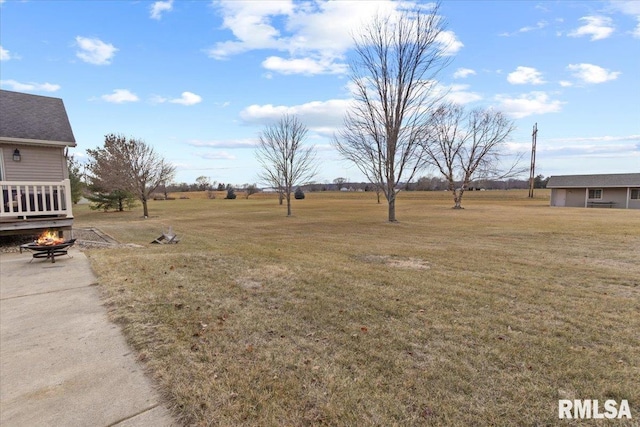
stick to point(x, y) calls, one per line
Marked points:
point(48, 245)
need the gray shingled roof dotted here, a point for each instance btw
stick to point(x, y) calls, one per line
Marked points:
point(36, 117)
point(583, 181)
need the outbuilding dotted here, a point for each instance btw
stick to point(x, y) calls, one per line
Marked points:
point(596, 191)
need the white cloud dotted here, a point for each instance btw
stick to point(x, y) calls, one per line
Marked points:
point(598, 139)
point(528, 104)
point(449, 42)
point(160, 6)
point(456, 93)
point(565, 83)
point(157, 99)
point(4, 54)
point(590, 73)
point(539, 25)
point(120, 96)
point(525, 75)
point(29, 87)
point(631, 8)
point(303, 66)
point(315, 35)
point(594, 146)
point(598, 27)
point(319, 116)
point(95, 51)
point(459, 94)
point(187, 98)
point(250, 23)
point(462, 73)
point(219, 155)
point(328, 28)
point(228, 144)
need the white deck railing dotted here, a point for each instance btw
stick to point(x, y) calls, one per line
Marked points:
point(23, 199)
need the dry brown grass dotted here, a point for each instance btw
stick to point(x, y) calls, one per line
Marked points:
point(485, 316)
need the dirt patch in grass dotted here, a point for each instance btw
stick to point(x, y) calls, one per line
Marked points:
point(257, 278)
point(395, 261)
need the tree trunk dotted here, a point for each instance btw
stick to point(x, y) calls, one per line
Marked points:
point(145, 207)
point(280, 197)
point(457, 198)
point(288, 204)
point(392, 208)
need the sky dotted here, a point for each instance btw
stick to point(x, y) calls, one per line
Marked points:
point(199, 80)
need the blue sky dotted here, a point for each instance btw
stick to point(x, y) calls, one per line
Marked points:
point(199, 80)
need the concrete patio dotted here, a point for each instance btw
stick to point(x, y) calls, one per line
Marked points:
point(62, 362)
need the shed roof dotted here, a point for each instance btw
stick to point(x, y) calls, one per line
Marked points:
point(605, 180)
point(35, 118)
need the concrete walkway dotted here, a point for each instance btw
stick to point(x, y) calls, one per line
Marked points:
point(62, 363)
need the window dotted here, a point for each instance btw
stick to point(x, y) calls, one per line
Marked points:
point(635, 194)
point(595, 194)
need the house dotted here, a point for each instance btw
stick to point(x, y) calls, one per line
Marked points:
point(34, 135)
point(591, 191)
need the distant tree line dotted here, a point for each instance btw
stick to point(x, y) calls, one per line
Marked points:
point(424, 183)
point(429, 183)
point(199, 185)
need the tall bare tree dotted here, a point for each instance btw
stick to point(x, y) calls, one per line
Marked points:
point(468, 145)
point(286, 160)
point(129, 165)
point(397, 61)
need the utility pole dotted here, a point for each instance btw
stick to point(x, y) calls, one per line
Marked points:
point(532, 174)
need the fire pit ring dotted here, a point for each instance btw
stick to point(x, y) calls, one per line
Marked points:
point(48, 251)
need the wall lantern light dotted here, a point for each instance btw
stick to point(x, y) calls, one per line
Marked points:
point(16, 155)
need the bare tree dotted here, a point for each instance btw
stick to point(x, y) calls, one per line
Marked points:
point(397, 60)
point(203, 183)
point(250, 189)
point(466, 146)
point(285, 159)
point(129, 165)
point(339, 182)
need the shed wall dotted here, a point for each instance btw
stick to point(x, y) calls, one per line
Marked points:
point(616, 195)
point(634, 203)
point(575, 197)
point(558, 196)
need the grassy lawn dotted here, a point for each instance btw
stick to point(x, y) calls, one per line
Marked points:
point(484, 316)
